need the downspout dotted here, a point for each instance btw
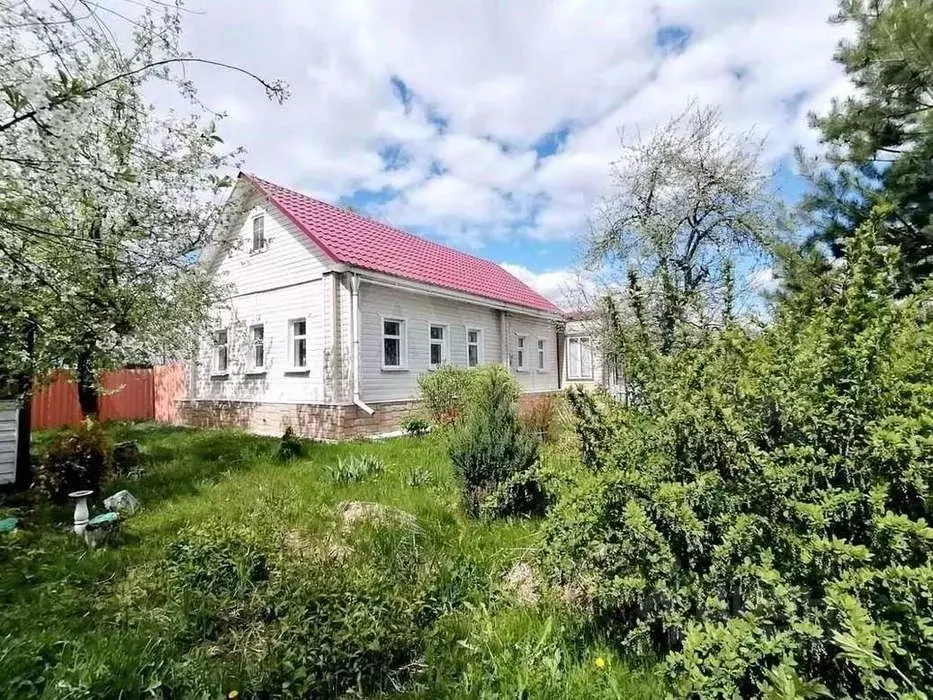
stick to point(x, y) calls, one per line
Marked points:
point(355, 330)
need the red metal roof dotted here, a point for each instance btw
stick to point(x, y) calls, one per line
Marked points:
point(354, 240)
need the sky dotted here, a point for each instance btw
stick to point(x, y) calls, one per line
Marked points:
point(490, 125)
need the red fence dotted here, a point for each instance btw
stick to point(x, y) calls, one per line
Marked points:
point(126, 394)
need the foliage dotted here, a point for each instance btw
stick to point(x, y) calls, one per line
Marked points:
point(760, 514)
point(540, 415)
point(446, 392)
point(290, 446)
point(880, 137)
point(104, 199)
point(416, 477)
point(685, 202)
point(356, 468)
point(416, 427)
point(76, 460)
point(492, 448)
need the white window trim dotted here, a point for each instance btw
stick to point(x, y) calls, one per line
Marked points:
point(253, 368)
point(215, 346)
point(252, 234)
point(403, 343)
point(445, 345)
point(480, 346)
point(541, 355)
point(521, 352)
point(295, 368)
point(577, 373)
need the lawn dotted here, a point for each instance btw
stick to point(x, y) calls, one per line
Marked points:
point(238, 574)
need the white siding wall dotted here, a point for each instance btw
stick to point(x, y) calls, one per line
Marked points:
point(420, 311)
point(279, 383)
point(9, 424)
point(271, 287)
point(289, 257)
point(533, 329)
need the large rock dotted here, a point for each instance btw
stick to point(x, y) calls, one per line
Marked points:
point(122, 502)
point(354, 512)
point(522, 583)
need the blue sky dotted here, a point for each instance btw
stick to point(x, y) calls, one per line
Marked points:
point(491, 125)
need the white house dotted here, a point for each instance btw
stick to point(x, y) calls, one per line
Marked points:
point(332, 317)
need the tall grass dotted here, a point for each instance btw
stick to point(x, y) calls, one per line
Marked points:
point(76, 622)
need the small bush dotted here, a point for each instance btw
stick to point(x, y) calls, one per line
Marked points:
point(416, 427)
point(75, 460)
point(540, 416)
point(446, 392)
point(290, 447)
point(356, 468)
point(492, 447)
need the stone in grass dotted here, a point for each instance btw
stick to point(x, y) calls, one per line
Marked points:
point(355, 512)
point(522, 583)
point(100, 527)
point(125, 457)
point(122, 502)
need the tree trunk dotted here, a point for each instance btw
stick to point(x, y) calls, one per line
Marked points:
point(24, 430)
point(88, 397)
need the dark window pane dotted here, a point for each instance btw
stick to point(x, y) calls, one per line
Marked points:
point(472, 336)
point(391, 328)
point(436, 354)
point(260, 356)
point(437, 333)
point(301, 352)
point(473, 355)
point(391, 350)
point(299, 327)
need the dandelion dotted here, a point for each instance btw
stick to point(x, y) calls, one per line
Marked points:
point(600, 662)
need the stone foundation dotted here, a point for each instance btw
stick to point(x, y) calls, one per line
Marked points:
point(320, 421)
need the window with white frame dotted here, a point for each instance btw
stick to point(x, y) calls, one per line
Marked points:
point(221, 351)
point(259, 232)
point(438, 345)
point(579, 358)
point(520, 360)
point(394, 348)
point(474, 347)
point(298, 334)
point(541, 364)
point(257, 338)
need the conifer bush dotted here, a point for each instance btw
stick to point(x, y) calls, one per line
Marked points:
point(493, 454)
point(761, 516)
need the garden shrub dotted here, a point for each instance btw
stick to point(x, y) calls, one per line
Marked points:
point(492, 451)
point(75, 460)
point(761, 515)
point(416, 427)
point(446, 391)
point(290, 446)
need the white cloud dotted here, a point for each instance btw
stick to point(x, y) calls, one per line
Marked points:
point(562, 286)
point(500, 75)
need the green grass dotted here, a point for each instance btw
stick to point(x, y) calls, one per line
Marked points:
point(79, 623)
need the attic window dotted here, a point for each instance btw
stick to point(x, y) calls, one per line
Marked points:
point(259, 233)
